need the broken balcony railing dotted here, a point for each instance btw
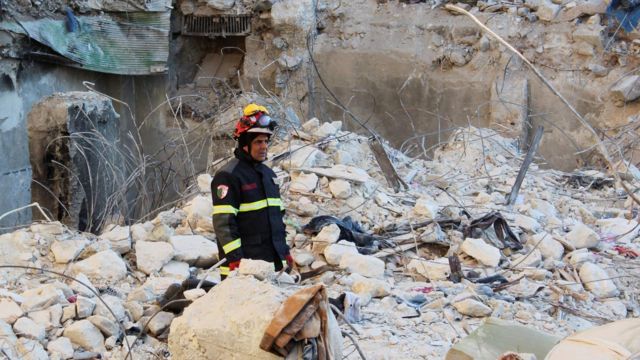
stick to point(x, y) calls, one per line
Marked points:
point(217, 25)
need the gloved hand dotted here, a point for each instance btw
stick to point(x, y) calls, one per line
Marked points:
point(234, 265)
point(289, 260)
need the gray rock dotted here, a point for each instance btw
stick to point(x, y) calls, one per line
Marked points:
point(105, 266)
point(152, 256)
point(29, 329)
point(478, 249)
point(290, 63)
point(107, 326)
point(334, 252)
point(67, 250)
point(29, 349)
point(364, 265)
point(625, 90)
point(115, 304)
point(581, 236)
point(119, 237)
point(160, 322)
point(472, 307)
point(10, 311)
point(194, 249)
point(83, 333)
point(61, 346)
point(597, 281)
point(598, 70)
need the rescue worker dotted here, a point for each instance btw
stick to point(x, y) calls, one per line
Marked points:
point(247, 209)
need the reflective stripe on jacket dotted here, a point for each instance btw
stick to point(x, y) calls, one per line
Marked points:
point(248, 212)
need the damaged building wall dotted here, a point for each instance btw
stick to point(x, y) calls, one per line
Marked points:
point(77, 170)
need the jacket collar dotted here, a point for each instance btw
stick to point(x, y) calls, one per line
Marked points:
point(244, 156)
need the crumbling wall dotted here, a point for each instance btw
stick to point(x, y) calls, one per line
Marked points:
point(73, 140)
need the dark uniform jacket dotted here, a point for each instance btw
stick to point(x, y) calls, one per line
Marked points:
point(248, 212)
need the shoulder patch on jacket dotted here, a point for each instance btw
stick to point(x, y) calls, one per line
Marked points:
point(221, 191)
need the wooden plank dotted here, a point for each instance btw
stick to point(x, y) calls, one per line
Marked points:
point(394, 181)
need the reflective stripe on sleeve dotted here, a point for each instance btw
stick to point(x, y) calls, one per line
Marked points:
point(224, 270)
point(224, 209)
point(261, 204)
point(232, 245)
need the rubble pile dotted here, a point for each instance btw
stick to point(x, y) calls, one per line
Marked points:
point(560, 260)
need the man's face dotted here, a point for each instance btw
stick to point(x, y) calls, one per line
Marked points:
point(259, 147)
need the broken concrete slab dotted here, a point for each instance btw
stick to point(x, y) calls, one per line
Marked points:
point(581, 237)
point(597, 281)
point(478, 249)
point(151, 256)
point(103, 267)
point(195, 250)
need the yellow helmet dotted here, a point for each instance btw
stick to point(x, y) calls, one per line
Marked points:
point(254, 108)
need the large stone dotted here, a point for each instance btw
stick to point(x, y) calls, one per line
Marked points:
point(151, 289)
point(61, 346)
point(334, 252)
point(597, 281)
point(43, 296)
point(302, 257)
point(294, 16)
point(160, 322)
point(478, 249)
point(341, 189)
point(28, 328)
point(303, 207)
point(152, 256)
point(303, 182)
point(433, 270)
point(176, 269)
point(29, 349)
point(119, 237)
point(591, 34)
point(547, 10)
point(67, 250)
point(625, 90)
point(531, 259)
point(83, 308)
point(527, 223)
point(104, 267)
point(373, 288)
point(161, 232)
point(624, 230)
point(16, 248)
point(471, 307)
point(83, 333)
point(113, 304)
point(6, 333)
point(106, 325)
point(196, 250)
point(229, 321)
point(327, 236)
point(89, 290)
point(426, 207)
point(548, 246)
point(364, 265)
point(304, 156)
point(581, 236)
point(204, 183)
point(10, 311)
point(258, 268)
point(140, 232)
point(50, 228)
point(199, 213)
